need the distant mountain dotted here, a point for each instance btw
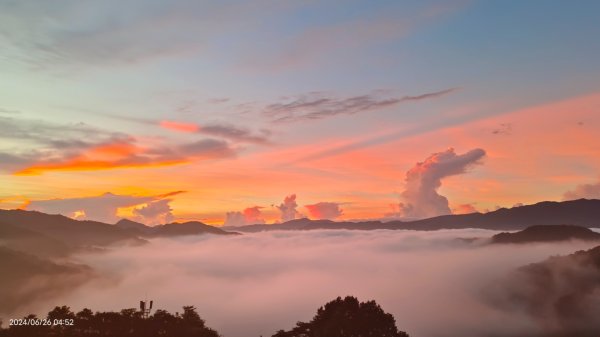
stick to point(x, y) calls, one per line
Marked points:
point(136, 227)
point(582, 212)
point(34, 247)
point(547, 233)
point(172, 229)
point(72, 233)
point(185, 228)
point(39, 233)
point(307, 224)
point(32, 242)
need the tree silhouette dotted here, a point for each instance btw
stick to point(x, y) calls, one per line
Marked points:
point(347, 318)
point(339, 318)
point(126, 323)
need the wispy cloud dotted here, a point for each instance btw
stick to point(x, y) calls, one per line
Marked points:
point(349, 38)
point(220, 130)
point(76, 35)
point(179, 126)
point(9, 111)
point(317, 106)
point(226, 131)
point(129, 155)
point(234, 133)
point(45, 146)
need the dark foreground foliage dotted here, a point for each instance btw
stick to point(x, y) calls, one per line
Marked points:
point(347, 318)
point(339, 318)
point(128, 322)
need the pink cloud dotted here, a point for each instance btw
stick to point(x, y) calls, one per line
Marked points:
point(180, 126)
point(324, 210)
point(249, 216)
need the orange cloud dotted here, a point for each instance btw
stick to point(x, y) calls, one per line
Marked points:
point(82, 164)
point(106, 156)
point(324, 210)
point(180, 126)
point(464, 209)
point(125, 154)
point(16, 202)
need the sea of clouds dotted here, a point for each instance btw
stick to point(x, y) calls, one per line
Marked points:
point(255, 284)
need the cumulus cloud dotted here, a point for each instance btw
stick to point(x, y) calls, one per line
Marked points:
point(249, 216)
point(421, 199)
point(155, 212)
point(104, 208)
point(419, 277)
point(324, 210)
point(585, 191)
point(464, 209)
point(288, 208)
point(317, 105)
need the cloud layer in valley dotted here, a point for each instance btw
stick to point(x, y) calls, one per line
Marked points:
point(255, 284)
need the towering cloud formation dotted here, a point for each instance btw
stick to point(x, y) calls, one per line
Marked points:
point(324, 210)
point(288, 208)
point(249, 216)
point(420, 197)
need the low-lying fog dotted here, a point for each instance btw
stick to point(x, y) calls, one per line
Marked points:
point(255, 284)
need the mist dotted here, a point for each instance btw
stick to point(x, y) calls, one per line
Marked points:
point(255, 284)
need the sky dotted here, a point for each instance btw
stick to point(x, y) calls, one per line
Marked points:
point(242, 112)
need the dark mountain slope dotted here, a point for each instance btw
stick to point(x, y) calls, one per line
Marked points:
point(186, 228)
point(62, 228)
point(582, 212)
point(560, 294)
point(550, 233)
point(26, 278)
point(29, 241)
point(133, 226)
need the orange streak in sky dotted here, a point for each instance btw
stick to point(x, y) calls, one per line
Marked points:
point(106, 156)
point(179, 126)
point(121, 149)
point(91, 165)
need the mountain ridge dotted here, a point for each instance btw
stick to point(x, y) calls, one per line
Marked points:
point(581, 212)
